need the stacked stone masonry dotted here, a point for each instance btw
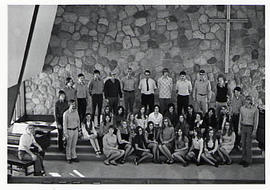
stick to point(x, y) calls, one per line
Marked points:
point(85, 38)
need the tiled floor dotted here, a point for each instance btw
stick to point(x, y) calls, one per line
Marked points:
point(96, 169)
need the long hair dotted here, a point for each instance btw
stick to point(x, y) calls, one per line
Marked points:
point(177, 135)
point(199, 134)
point(148, 128)
point(110, 110)
point(139, 114)
point(104, 119)
point(230, 130)
point(128, 117)
point(123, 111)
point(137, 130)
point(207, 138)
point(169, 122)
point(214, 114)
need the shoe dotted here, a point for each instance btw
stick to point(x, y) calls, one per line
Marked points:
point(185, 164)
point(198, 163)
point(75, 159)
point(170, 162)
point(69, 161)
point(246, 165)
point(135, 162)
point(113, 163)
point(229, 162)
point(106, 162)
point(216, 165)
point(242, 162)
point(122, 161)
point(97, 155)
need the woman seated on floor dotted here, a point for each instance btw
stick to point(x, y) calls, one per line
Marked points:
point(181, 147)
point(227, 141)
point(140, 147)
point(211, 148)
point(25, 154)
point(110, 148)
point(124, 140)
point(104, 128)
point(166, 140)
point(88, 126)
point(195, 152)
point(151, 141)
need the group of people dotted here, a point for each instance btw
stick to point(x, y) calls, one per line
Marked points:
point(179, 132)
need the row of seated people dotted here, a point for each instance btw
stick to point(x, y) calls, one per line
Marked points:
point(177, 138)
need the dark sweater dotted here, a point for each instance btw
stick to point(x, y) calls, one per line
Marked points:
point(222, 93)
point(112, 89)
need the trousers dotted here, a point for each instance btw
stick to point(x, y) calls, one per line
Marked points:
point(97, 101)
point(182, 104)
point(71, 144)
point(201, 103)
point(148, 100)
point(82, 104)
point(38, 165)
point(246, 137)
point(234, 123)
point(163, 102)
point(129, 98)
point(113, 103)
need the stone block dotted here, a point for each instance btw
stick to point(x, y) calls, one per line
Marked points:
point(210, 36)
point(60, 11)
point(92, 33)
point(215, 44)
point(79, 53)
point(203, 19)
point(76, 36)
point(220, 34)
point(139, 56)
point(140, 22)
point(204, 28)
point(152, 44)
point(81, 45)
point(58, 20)
point(103, 21)
point(120, 36)
point(188, 34)
point(83, 20)
point(211, 11)
point(54, 41)
point(127, 42)
point(78, 63)
point(108, 40)
point(128, 30)
point(135, 42)
point(63, 61)
point(212, 60)
point(174, 35)
point(163, 14)
point(70, 17)
point(102, 51)
point(68, 27)
point(95, 45)
point(84, 31)
point(214, 28)
point(200, 60)
point(165, 46)
point(198, 35)
point(161, 22)
point(161, 29)
point(204, 45)
point(102, 28)
point(55, 61)
point(130, 10)
point(172, 26)
point(140, 14)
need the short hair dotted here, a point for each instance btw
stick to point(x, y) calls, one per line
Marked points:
point(147, 71)
point(61, 92)
point(96, 71)
point(165, 70)
point(111, 127)
point(183, 73)
point(157, 106)
point(71, 101)
point(248, 97)
point(237, 89)
point(68, 79)
point(202, 71)
point(221, 76)
point(80, 75)
point(130, 68)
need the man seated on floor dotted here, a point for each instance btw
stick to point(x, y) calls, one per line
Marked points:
point(25, 154)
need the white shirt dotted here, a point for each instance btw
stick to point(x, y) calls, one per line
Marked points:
point(165, 85)
point(26, 140)
point(183, 87)
point(143, 86)
point(155, 119)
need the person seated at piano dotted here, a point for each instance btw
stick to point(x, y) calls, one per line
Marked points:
point(25, 154)
point(92, 133)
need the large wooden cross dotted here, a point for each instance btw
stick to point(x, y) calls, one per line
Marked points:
point(228, 22)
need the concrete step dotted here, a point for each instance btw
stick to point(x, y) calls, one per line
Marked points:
point(91, 156)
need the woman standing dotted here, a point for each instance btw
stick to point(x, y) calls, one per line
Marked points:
point(91, 133)
point(166, 140)
point(227, 141)
point(124, 140)
point(110, 148)
point(151, 141)
point(141, 118)
point(140, 147)
point(181, 147)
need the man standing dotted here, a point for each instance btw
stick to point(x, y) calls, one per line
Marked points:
point(71, 123)
point(183, 90)
point(61, 106)
point(82, 96)
point(128, 85)
point(112, 91)
point(96, 87)
point(202, 92)
point(248, 123)
point(69, 90)
point(147, 86)
point(236, 103)
point(165, 85)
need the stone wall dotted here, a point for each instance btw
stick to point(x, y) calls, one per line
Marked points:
point(85, 38)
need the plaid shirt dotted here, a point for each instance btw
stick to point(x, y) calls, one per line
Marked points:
point(165, 85)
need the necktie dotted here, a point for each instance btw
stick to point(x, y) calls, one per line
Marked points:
point(147, 85)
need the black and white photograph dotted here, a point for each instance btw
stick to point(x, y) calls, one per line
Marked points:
point(138, 93)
